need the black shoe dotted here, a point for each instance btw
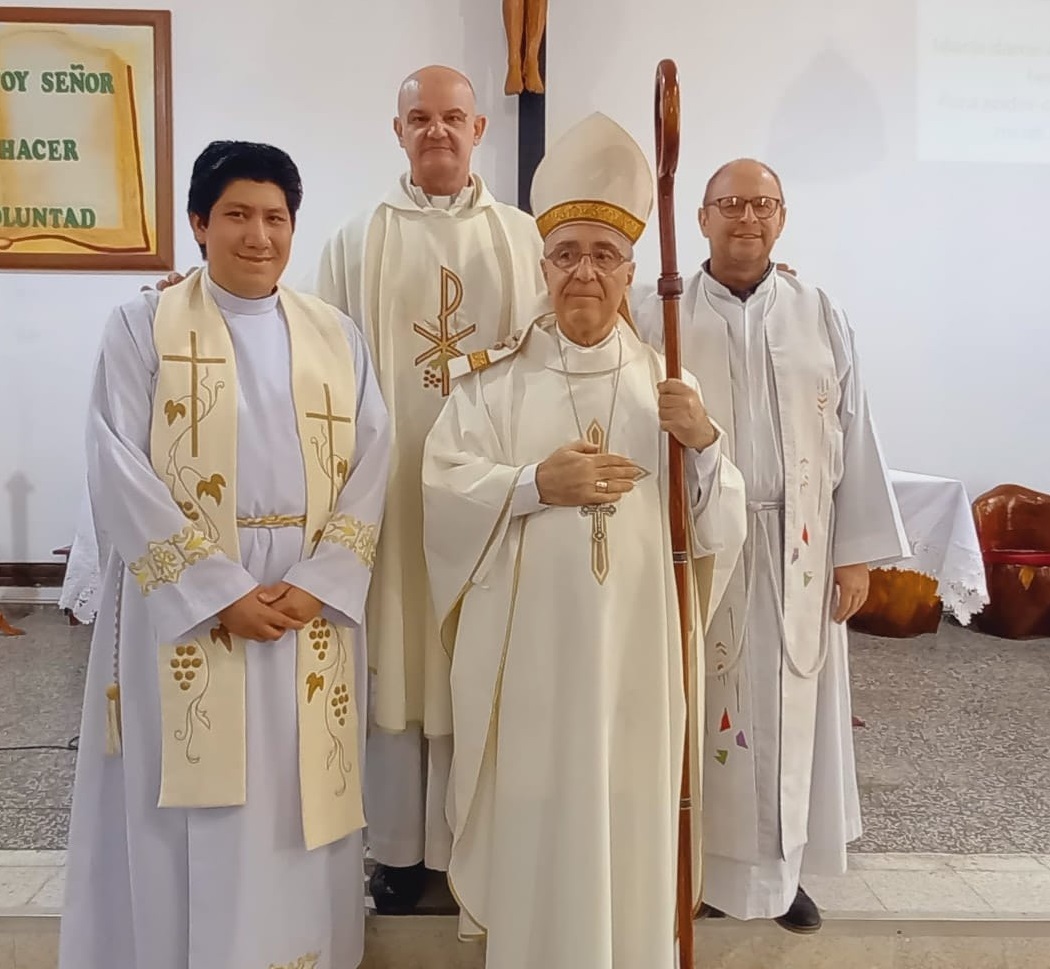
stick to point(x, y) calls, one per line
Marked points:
point(803, 917)
point(397, 891)
point(709, 912)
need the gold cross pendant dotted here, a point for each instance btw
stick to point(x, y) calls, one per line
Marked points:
point(599, 538)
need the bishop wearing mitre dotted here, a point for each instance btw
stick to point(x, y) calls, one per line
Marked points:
point(547, 542)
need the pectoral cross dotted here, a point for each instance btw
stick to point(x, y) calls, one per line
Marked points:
point(330, 419)
point(599, 538)
point(194, 361)
point(445, 342)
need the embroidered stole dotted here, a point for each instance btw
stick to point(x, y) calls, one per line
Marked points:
point(193, 445)
point(807, 398)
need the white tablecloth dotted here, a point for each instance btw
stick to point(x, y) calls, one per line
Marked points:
point(938, 521)
point(82, 584)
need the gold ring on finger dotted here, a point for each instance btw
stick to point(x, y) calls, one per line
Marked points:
point(602, 486)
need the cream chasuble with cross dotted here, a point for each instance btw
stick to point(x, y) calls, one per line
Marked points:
point(232, 443)
point(427, 285)
point(566, 660)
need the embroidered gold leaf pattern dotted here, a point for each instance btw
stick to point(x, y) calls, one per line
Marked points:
point(212, 487)
point(342, 470)
point(220, 634)
point(313, 684)
point(355, 535)
point(309, 961)
point(165, 561)
point(173, 411)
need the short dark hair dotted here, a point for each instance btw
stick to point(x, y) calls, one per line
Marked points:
point(711, 181)
point(223, 162)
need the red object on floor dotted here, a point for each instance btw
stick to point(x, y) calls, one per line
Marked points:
point(6, 629)
point(1013, 526)
point(857, 722)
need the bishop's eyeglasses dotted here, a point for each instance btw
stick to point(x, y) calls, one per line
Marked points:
point(604, 259)
point(735, 207)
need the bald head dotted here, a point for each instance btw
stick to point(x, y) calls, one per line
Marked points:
point(434, 79)
point(438, 126)
point(742, 217)
point(748, 171)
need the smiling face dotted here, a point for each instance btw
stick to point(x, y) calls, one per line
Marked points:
point(248, 237)
point(588, 267)
point(737, 233)
point(439, 127)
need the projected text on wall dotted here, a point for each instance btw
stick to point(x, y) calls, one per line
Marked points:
point(983, 81)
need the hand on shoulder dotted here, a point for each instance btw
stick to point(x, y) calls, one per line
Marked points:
point(172, 279)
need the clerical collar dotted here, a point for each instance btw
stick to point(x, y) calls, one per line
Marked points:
point(558, 353)
point(745, 294)
point(605, 341)
point(447, 203)
point(238, 305)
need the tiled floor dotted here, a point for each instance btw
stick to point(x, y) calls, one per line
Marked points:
point(954, 757)
point(877, 886)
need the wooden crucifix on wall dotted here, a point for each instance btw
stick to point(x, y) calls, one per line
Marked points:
point(525, 22)
point(526, 26)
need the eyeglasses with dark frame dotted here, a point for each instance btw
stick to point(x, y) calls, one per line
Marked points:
point(735, 207)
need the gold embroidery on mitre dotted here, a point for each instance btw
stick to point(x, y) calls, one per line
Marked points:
point(352, 533)
point(604, 212)
point(164, 562)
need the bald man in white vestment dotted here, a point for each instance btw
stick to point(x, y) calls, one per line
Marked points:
point(777, 362)
point(436, 270)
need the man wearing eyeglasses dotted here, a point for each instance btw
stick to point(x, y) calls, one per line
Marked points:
point(777, 364)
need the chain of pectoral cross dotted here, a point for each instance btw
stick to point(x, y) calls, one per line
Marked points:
point(599, 437)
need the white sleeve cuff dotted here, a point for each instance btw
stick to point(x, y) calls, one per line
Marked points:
point(526, 499)
point(700, 469)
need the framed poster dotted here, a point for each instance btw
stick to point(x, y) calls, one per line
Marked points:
point(85, 139)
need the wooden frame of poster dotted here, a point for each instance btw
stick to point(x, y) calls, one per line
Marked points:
point(85, 140)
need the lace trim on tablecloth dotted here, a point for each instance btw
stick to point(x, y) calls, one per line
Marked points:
point(964, 594)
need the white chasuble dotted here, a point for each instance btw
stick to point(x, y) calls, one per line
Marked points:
point(567, 681)
point(193, 449)
point(427, 286)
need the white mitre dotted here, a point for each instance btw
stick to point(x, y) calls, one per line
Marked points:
point(594, 173)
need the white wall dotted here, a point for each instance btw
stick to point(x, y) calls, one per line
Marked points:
point(317, 78)
point(940, 263)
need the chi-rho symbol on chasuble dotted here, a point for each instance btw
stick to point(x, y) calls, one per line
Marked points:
point(442, 337)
